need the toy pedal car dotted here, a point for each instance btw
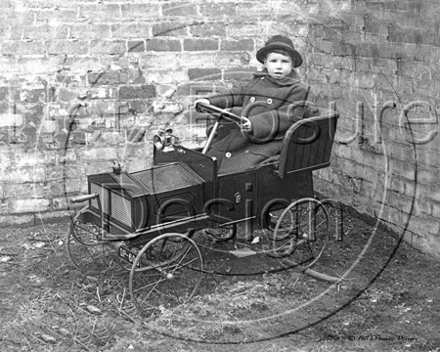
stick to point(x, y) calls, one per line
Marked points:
point(147, 218)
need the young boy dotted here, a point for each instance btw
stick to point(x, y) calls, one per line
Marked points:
point(277, 99)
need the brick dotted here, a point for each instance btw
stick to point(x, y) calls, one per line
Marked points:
point(11, 120)
point(28, 205)
point(107, 47)
point(237, 45)
point(99, 167)
point(169, 29)
point(179, 9)
point(11, 48)
point(137, 92)
point(56, 16)
point(45, 32)
point(14, 33)
point(155, 44)
point(21, 18)
point(136, 77)
point(53, 216)
point(211, 29)
point(204, 74)
point(151, 62)
point(239, 74)
point(61, 203)
point(90, 31)
point(95, 154)
point(109, 77)
point(25, 190)
point(251, 9)
point(223, 9)
point(140, 11)
point(101, 12)
point(66, 47)
point(130, 30)
point(111, 138)
point(244, 29)
point(228, 60)
point(20, 221)
point(136, 46)
point(200, 44)
point(67, 95)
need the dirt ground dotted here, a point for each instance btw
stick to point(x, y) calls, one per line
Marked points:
point(389, 300)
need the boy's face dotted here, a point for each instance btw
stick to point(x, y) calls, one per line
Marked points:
point(278, 65)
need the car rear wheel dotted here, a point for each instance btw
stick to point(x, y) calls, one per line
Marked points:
point(166, 273)
point(301, 232)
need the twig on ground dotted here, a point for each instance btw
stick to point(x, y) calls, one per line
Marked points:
point(82, 344)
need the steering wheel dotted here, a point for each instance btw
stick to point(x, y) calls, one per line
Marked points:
point(242, 121)
point(222, 113)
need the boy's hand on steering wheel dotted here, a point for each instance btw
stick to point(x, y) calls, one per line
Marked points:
point(246, 125)
point(204, 101)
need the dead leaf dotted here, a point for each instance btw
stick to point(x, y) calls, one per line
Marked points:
point(93, 309)
point(64, 331)
point(48, 338)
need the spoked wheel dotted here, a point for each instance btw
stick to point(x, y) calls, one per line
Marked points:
point(85, 248)
point(166, 273)
point(301, 232)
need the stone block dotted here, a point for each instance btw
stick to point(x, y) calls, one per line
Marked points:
point(19, 206)
point(211, 29)
point(111, 138)
point(137, 92)
point(204, 74)
point(169, 29)
point(239, 74)
point(8, 221)
point(108, 47)
point(232, 60)
point(25, 190)
point(60, 203)
point(153, 62)
point(66, 47)
point(146, 10)
point(136, 46)
point(156, 44)
point(96, 154)
point(97, 13)
point(219, 9)
point(58, 15)
point(12, 47)
point(237, 45)
point(179, 9)
point(90, 30)
point(11, 120)
point(24, 174)
point(45, 32)
point(109, 77)
point(52, 217)
point(200, 44)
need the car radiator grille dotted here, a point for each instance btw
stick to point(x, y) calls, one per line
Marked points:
point(120, 209)
point(103, 197)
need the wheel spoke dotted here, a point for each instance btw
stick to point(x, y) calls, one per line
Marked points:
point(301, 231)
point(175, 268)
point(85, 248)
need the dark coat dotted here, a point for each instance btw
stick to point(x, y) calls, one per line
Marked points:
point(283, 104)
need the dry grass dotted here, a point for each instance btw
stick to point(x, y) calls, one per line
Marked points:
point(46, 305)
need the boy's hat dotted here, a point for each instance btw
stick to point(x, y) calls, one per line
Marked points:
point(280, 42)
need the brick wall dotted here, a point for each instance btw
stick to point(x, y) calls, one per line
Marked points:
point(378, 61)
point(84, 82)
